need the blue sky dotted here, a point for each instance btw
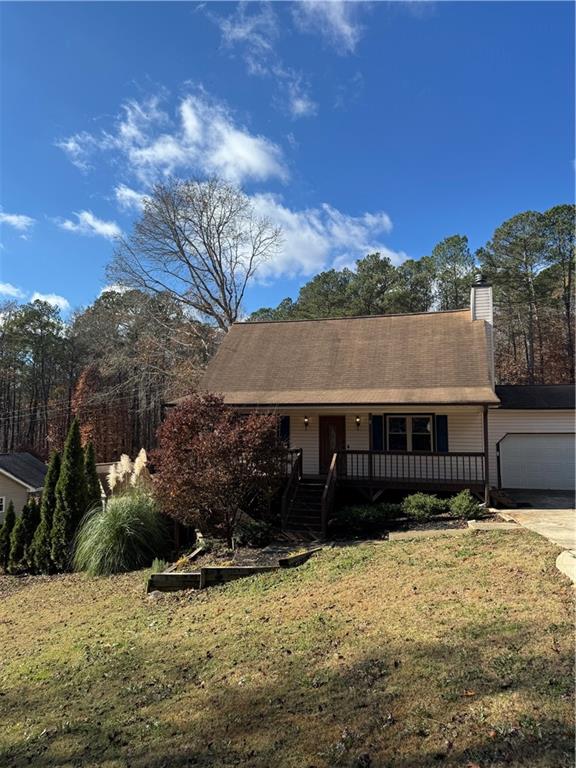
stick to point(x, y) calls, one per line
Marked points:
point(355, 126)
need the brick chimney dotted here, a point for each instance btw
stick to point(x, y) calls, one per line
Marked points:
point(482, 308)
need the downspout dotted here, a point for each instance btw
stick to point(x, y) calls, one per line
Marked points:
point(486, 458)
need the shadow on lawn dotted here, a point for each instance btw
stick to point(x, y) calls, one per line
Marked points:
point(404, 704)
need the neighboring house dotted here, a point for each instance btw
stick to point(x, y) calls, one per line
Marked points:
point(390, 401)
point(21, 475)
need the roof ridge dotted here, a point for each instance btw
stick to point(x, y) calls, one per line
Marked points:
point(350, 317)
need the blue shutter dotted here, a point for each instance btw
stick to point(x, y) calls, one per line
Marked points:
point(377, 433)
point(284, 429)
point(442, 434)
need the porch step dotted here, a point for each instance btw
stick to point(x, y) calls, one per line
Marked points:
point(306, 508)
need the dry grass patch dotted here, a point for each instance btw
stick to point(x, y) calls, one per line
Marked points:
point(407, 654)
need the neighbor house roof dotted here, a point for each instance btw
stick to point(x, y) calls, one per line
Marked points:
point(432, 358)
point(536, 396)
point(24, 468)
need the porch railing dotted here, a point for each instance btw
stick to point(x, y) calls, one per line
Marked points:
point(290, 457)
point(328, 494)
point(292, 467)
point(440, 468)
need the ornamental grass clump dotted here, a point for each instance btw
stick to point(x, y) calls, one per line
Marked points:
point(125, 535)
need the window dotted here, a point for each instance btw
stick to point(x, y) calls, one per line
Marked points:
point(409, 433)
point(284, 430)
point(2, 505)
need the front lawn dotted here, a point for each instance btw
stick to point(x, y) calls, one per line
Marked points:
point(449, 651)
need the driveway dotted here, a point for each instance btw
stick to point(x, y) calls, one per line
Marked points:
point(553, 516)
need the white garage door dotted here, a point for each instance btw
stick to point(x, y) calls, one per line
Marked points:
point(544, 461)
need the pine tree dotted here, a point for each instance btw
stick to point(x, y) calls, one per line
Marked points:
point(71, 498)
point(41, 545)
point(94, 493)
point(5, 533)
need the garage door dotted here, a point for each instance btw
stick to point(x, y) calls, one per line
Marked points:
point(544, 461)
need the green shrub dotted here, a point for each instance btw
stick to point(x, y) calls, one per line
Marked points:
point(464, 506)
point(423, 506)
point(5, 534)
point(364, 520)
point(252, 533)
point(127, 534)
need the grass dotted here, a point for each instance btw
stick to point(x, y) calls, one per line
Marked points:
point(452, 652)
point(122, 536)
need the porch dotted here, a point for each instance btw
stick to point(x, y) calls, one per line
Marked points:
point(373, 452)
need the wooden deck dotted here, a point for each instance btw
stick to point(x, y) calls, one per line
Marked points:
point(371, 472)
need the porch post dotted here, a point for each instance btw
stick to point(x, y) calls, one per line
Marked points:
point(486, 458)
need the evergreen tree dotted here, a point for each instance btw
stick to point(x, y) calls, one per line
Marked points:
point(71, 498)
point(454, 267)
point(94, 493)
point(5, 533)
point(41, 544)
point(31, 522)
point(18, 543)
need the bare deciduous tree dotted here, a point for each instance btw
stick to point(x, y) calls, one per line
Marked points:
point(199, 242)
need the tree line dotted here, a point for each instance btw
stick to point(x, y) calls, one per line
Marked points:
point(182, 276)
point(530, 262)
point(112, 365)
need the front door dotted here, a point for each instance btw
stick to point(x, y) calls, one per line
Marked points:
point(332, 438)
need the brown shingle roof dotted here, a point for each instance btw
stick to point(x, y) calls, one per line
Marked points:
point(429, 358)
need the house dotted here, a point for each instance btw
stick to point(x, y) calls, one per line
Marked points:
point(21, 475)
point(393, 402)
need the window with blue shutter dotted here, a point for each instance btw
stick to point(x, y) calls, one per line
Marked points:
point(377, 433)
point(442, 434)
point(284, 429)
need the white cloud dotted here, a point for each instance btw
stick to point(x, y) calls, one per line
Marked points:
point(203, 137)
point(113, 288)
point(300, 104)
point(7, 289)
point(322, 237)
point(17, 221)
point(335, 20)
point(52, 298)
point(253, 29)
point(129, 199)
point(78, 148)
point(88, 224)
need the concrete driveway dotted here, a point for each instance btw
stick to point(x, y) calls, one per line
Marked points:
point(552, 515)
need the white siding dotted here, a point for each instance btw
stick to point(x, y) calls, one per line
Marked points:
point(307, 439)
point(481, 308)
point(481, 303)
point(10, 490)
point(505, 421)
point(464, 430)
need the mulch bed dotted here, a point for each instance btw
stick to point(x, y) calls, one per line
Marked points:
point(269, 555)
